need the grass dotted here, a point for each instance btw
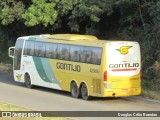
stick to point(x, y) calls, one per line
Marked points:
point(151, 94)
point(8, 107)
point(151, 88)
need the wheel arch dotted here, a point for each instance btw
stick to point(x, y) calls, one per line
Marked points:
point(73, 80)
point(83, 82)
point(74, 89)
point(28, 73)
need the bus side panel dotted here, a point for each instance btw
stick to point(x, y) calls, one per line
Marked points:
point(67, 71)
point(40, 72)
point(46, 75)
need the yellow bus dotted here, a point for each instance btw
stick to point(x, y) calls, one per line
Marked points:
point(80, 64)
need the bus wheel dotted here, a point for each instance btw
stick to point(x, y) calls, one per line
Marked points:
point(84, 92)
point(28, 81)
point(74, 90)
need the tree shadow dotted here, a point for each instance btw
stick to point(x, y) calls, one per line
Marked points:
point(9, 79)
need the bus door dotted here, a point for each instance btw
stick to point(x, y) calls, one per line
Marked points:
point(123, 65)
point(17, 66)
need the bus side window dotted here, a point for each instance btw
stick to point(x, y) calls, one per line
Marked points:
point(29, 48)
point(88, 58)
point(67, 53)
point(39, 49)
point(94, 59)
point(96, 56)
point(63, 52)
point(32, 51)
point(75, 53)
point(99, 56)
point(82, 57)
point(86, 54)
point(51, 49)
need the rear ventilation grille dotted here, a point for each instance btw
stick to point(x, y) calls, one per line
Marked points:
point(97, 86)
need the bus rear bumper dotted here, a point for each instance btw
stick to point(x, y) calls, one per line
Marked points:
point(120, 92)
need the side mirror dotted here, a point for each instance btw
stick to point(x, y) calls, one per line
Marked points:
point(11, 52)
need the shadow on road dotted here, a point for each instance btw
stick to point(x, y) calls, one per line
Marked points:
point(64, 93)
point(8, 79)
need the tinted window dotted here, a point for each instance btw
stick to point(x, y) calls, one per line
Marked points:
point(75, 53)
point(18, 53)
point(51, 50)
point(85, 55)
point(63, 52)
point(40, 49)
point(29, 48)
point(96, 56)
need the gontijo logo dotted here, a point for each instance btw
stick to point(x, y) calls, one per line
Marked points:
point(19, 76)
point(124, 49)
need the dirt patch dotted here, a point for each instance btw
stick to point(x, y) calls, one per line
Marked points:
point(7, 68)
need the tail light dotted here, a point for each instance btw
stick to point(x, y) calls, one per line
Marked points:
point(105, 76)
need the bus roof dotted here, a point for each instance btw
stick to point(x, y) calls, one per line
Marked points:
point(72, 38)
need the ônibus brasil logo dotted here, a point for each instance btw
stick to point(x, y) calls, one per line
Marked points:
point(124, 49)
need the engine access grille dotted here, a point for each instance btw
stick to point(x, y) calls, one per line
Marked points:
point(96, 86)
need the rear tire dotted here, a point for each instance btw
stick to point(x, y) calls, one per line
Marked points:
point(84, 92)
point(28, 81)
point(75, 92)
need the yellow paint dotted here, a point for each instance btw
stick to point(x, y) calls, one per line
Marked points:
point(94, 81)
point(120, 85)
point(19, 77)
point(124, 49)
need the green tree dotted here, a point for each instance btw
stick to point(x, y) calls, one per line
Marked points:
point(140, 21)
point(87, 13)
point(10, 11)
point(137, 20)
point(40, 12)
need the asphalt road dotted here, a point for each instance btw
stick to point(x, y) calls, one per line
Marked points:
point(44, 99)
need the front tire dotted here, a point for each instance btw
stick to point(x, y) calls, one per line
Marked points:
point(28, 81)
point(84, 92)
point(74, 90)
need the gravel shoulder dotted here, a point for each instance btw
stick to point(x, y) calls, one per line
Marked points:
point(6, 68)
